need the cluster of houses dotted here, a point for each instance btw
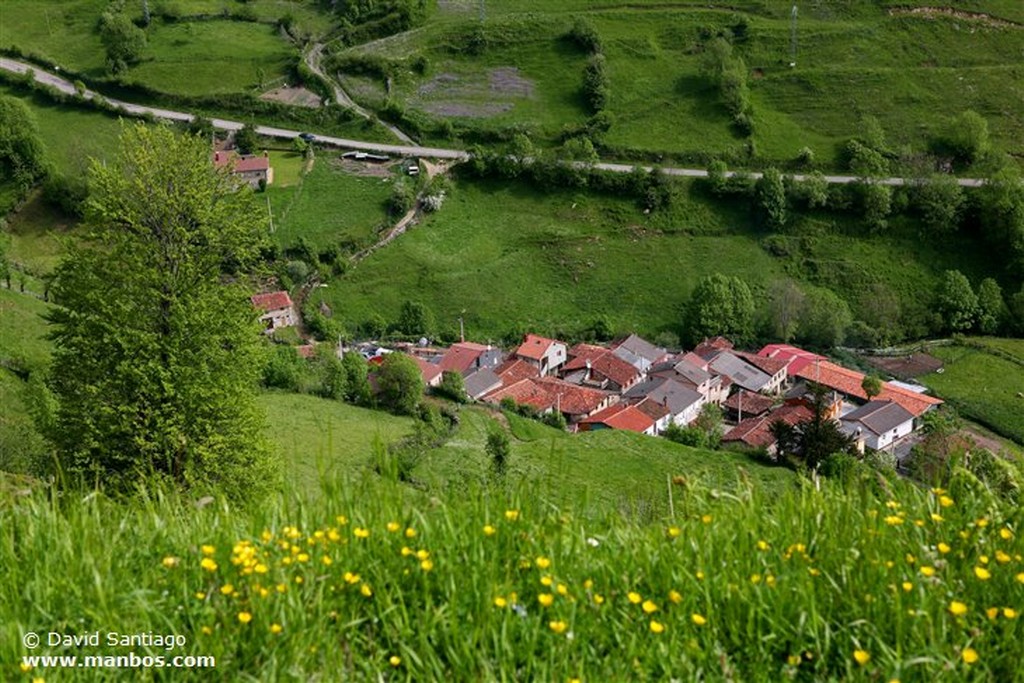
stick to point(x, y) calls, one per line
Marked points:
point(635, 385)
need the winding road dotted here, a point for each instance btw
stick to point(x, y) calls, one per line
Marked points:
point(413, 150)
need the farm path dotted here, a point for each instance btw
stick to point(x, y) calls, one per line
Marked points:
point(62, 84)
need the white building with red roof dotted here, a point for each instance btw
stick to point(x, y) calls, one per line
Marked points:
point(277, 310)
point(250, 169)
point(547, 355)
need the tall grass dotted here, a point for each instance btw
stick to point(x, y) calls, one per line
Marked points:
point(375, 580)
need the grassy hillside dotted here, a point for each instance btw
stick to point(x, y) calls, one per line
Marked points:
point(506, 256)
point(804, 584)
point(982, 385)
point(912, 71)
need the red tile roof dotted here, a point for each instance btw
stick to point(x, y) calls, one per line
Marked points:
point(756, 431)
point(653, 409)
point(605, 363)
point(796, 358)
point(525, 392)
point(765, 364)
point(534, 347)
point(271, 301)
point(241, 164)
point(460, 356)
point(709, 347)
point(753, 404)
point(513, 370)
point(621, 416)
point(848, 382)
point(573, 399)
point(429, 371)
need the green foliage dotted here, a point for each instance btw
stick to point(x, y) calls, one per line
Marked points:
point(156, 357)
point(452, 386)
point(823, 319)
point(357, 382)
point(956, 302)
point(771, 198)
point(1002, 212)
point(728, 72)
point(403, 197)
point(284, 369)
point(783, 310)
point(940, 201)
point(415, 320)
point(966, 138)
point(500, 451)
point(876, 205)
point(992, 310)
point(21, 150)
point(584, 36)
point(814, 441)
point(872, 385)
point(720, 305)
point(400, 384)
point(596, 83)
point(246, 139)
point(123, 41)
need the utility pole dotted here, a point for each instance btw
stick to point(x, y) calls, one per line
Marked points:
point(792, 37)
point(270, 213)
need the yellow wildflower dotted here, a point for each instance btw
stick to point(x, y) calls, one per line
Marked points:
point(410, 533)
point(276, 628)
point(992, 612)
point(489, 530)
point(227, 589)
point(706, 519)
point(206, 630)
point(208, 550)
point(945, 501)
point(170, 562)
point(393, 526)
point(361, 533)
point(200, 595)
point(657, 627)
point(862, 657)
point(969, 655)
point(762, 545)
point(244, 617)
point(327, 561)
point(1009, 613)
point(543, 562)
point(426, 565)
point(350, 578)
point(303, 557)
point(699, 575)
point(755, 579)
point(675, 597)
point(511, 515)
point(982, 573)
point(422, 555)
point(558, 626)
point(395, 660)
point(893, 520)
point(936, 517)
point(943, 548)
point(500, 602)
point(698, 619)
point(208, 564)
point(674, 531)
point(562, 589)
point(793, 660)
point(588, 584)
point(342, 520)
point(1020, 577)
point(407, 551)
point(928, 571)
point(1001, 557)
point(546, 599)
point(366, 590)
point(957, 608)
point(1005, 533)
point(598, 599)
point(546, 580)
point(25, 668)
point(907, 586)
point(649, 607)
point(634, 597)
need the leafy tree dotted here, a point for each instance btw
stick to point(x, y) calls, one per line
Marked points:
point(824, 319)
point(720, 305)
point(584, 35)
point(717, 180)
point(876, 203)
point(579, 148)
point(375, 326)
point(403, 197)
point(332, 373)
point(786, 303)
point(815, 440)
point(865, 161)
point(357, 382)
point(957, 302)
point(415, 319)
point(939, 200)
point(1015, 305)
point(21, 151)
point(771, 198)
point(401, 384)
point(246, 139)
point(201, 126)
point(967, 138)
point(596, 83)
point(872, 385)
point(709, 423)
point(5, 262)
point(814, 190)
point(1002, 213)
point(992, 309)
point(284, 369)
point(123, 41)
point(157, 351)
point(500, 451)
point(453, 386)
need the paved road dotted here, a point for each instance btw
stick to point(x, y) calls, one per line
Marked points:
point(398, 150)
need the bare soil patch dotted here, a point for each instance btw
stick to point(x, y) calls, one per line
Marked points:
point(298, 97)
point(906, 367)
point(935, 12)
point(362, 168)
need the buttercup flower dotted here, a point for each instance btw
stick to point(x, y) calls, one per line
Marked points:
point(657, 627)
point(969, 655)
point(862, 657)
point(244, 617)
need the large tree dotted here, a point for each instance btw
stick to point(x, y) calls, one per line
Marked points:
point(957, 302)
point(122, 39)
point(771, 198)
point(720, 305)
point(818, 438)
point(401, 383)
point(157, 350)
point(21, 152)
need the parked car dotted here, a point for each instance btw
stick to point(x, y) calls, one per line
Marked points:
point(308, 137)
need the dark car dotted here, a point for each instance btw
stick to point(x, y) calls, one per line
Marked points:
point(308, 137)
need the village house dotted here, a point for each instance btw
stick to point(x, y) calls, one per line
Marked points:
point(252, 169)
point(740, 373)
point(775, 368)
point(848, 382)
point(878, 424)
point(481, 382)
point(682, 402)
point(466, 357)
point(430, 372)
point(756, 432)
point(795, 358)
point(638, 352)
point(620, 416)
point(598, 367)
point(277, 310)
point(513, 370)
point(693, 371)
point(546, 394)
point(548, 355)
point(746, 404)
